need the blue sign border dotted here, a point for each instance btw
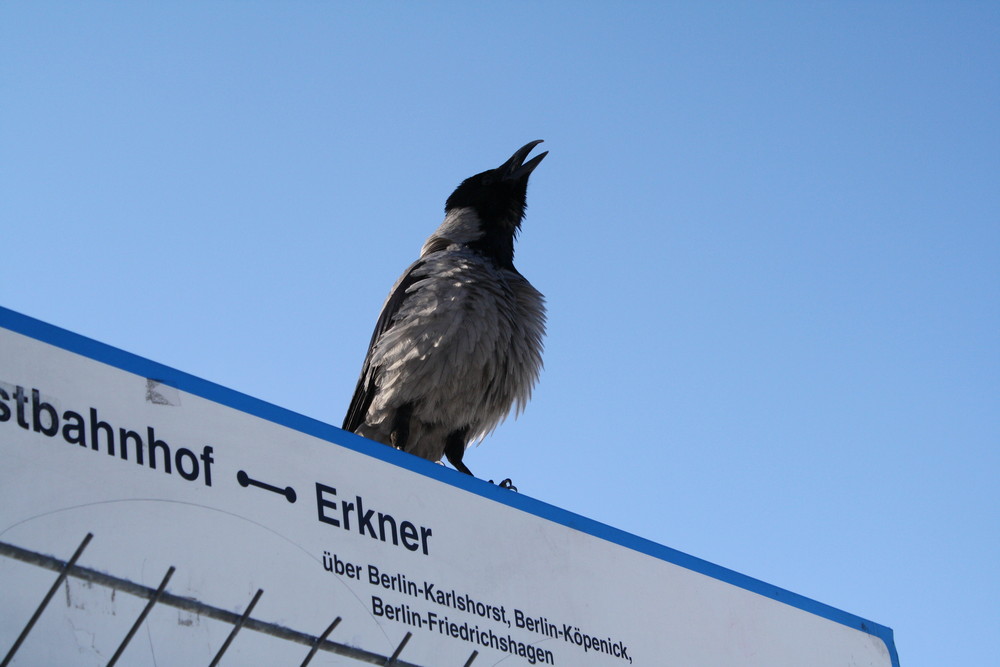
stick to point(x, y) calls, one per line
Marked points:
point(112, 356)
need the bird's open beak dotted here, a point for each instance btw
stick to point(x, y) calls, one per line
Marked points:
point(516, 168)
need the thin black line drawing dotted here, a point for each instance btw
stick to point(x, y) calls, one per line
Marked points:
point(159, 595)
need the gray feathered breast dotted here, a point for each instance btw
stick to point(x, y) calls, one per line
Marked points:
point(463, 345)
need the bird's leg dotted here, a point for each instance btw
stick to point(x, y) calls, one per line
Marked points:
point(400, 433)
point(454, 449)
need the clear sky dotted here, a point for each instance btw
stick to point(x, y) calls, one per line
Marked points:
point(768, 234)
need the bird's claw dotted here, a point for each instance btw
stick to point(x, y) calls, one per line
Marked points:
point(506, 484)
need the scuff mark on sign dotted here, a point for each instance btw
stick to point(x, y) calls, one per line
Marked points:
point(188, 619)
point(158, 393)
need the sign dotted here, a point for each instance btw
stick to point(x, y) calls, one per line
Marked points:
point(227, 530)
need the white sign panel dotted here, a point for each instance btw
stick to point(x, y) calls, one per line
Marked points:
point(229, 531)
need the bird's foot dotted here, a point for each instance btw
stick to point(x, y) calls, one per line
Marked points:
point(506, 484)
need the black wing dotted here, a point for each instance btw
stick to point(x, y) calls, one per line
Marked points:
point(364, 393)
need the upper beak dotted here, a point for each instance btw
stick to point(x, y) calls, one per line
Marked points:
point(516, 168)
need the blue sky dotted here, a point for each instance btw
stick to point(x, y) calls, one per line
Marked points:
point(768, 233)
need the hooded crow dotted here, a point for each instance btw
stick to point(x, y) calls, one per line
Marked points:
point(458, 343)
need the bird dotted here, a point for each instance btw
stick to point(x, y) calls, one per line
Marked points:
point(458, 343)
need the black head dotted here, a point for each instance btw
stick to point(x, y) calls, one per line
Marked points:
point(498, 195)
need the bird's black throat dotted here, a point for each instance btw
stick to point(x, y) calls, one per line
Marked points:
point(496, 245)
